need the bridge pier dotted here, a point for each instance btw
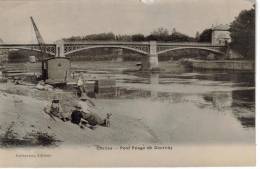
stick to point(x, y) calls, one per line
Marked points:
point(60, 49)
point(150, 62)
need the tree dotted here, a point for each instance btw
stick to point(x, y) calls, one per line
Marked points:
point(179, 37)
point(160, 34)
point(174, 30)
point(197, 35)
point(205, 36)
point(73, 38)
point(101, 36)
point(243, 33)
point(126, 38)
point(138, 37)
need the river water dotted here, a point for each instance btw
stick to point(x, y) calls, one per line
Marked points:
point(179, 105)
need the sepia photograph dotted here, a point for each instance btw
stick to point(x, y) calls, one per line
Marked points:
point(126, 83)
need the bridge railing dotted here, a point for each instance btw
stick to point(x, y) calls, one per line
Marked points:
point(50, 48)
point(140, 43)
point(117, 43)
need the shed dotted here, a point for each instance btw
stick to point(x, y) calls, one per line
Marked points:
point(58, 70)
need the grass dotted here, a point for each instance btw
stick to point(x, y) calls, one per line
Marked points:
point(10, 139)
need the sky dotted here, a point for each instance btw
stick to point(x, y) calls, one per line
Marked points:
point(58, 19)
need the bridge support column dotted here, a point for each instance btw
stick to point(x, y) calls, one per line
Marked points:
point(60, 49)
point(151, 62)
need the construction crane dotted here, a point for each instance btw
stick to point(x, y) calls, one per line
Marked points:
point(42, 49)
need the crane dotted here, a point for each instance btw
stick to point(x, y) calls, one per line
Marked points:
point(42, 49)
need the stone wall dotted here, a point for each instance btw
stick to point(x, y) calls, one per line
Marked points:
point(229, 65)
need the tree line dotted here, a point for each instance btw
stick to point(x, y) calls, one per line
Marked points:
point(160, 34)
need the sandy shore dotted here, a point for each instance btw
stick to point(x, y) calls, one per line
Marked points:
point(22, 119)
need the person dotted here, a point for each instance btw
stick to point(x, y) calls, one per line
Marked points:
point(80, 84)
point(80, 117)
point(54, 109)
point(76, 115)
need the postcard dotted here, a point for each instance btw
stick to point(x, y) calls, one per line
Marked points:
point(133, 83)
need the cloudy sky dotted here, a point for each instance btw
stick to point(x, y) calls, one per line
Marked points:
point(64, 18)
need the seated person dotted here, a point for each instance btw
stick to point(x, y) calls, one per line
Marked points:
point(77, 115)
point(54, 109)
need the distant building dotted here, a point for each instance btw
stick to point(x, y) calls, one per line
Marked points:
point(3, 53)
point(220, 35)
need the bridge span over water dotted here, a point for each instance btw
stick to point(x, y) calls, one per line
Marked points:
point(150, 50)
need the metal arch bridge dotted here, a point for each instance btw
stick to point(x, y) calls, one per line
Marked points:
point(151, 49)
point(140, 47)
point(145, 48)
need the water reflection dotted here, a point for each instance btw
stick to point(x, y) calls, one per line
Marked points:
point(124, 93)
point(219, 100)
point(244, 107)
point(241, 103)
point(154, 80)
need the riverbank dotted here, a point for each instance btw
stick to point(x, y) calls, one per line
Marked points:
point(24, 123)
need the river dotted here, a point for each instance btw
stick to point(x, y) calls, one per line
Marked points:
point(179, 105)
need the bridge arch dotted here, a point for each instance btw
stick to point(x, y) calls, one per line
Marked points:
point(108, 46)
point(30, 49)
point(190, 47)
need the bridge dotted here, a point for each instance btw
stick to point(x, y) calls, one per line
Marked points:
point(150, 50)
